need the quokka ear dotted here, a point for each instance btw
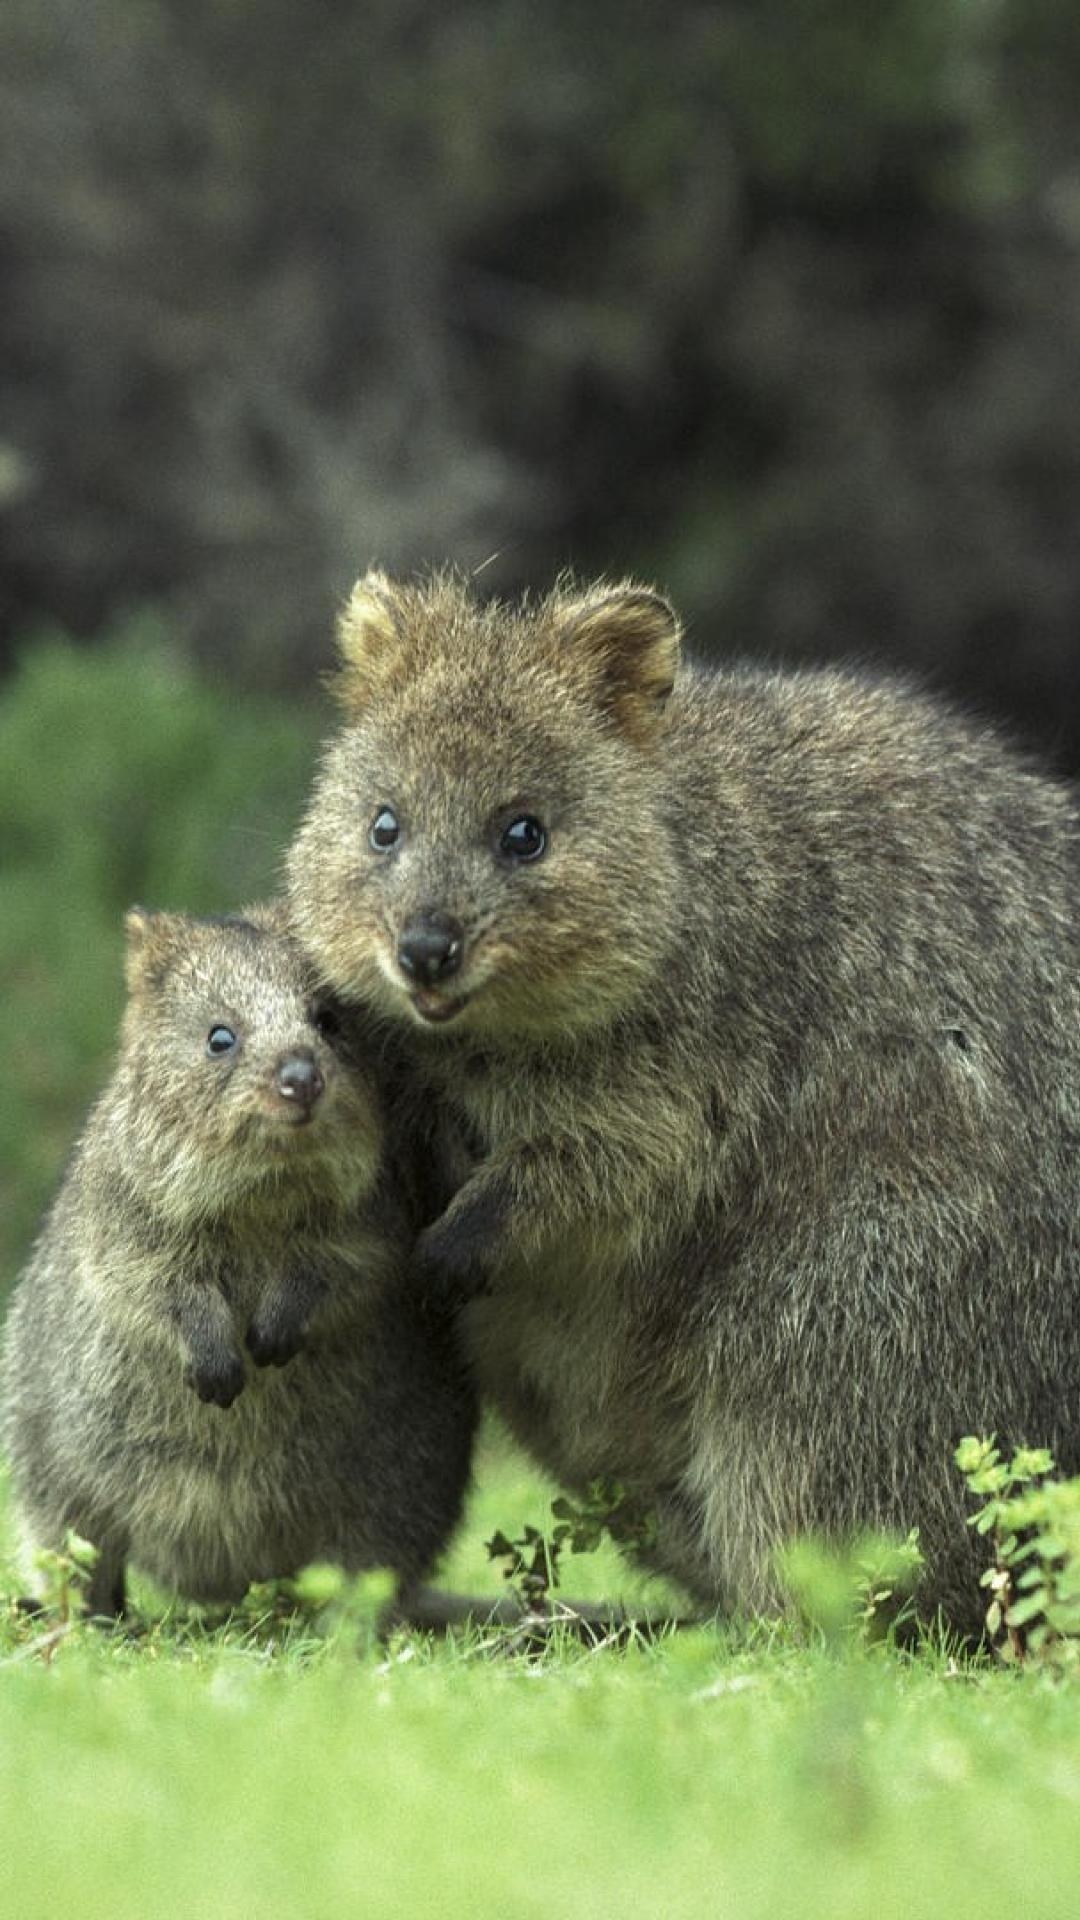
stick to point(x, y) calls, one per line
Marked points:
point(627, 640)
point(151, 940)
point(370, 633)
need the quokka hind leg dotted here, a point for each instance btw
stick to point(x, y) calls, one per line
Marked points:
point(105, 1596)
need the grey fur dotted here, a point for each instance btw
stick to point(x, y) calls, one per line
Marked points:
point(203, 1227)
point(761, 1089)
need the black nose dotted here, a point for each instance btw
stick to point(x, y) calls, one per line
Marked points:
point(430, 948)
point(298, 1079)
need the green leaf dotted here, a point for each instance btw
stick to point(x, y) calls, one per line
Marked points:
point(82, 1552)
point(1024, 1610)
point(1029, 1463)
point(320, 1584)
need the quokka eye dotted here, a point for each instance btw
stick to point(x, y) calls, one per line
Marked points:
point(523, 839)
point(384, 830)
point(220, 1040)
point(326, 1021)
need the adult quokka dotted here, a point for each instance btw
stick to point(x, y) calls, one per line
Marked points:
point(750, 1002)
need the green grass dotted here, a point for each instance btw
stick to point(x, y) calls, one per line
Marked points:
point(261, 1768)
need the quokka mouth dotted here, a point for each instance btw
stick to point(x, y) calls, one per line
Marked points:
point(435, 1009)
point(290, 1139)
point(283, 1126)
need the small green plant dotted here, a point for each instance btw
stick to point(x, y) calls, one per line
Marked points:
point(861, 1591)
point(66, 1573)
point(606, 1508)
point(1032, 1523)
point(885, 1573)
point(531, 1564)
point(350, 1609)
point(532, 1559)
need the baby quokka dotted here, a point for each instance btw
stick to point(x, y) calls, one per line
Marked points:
point(211, 1368)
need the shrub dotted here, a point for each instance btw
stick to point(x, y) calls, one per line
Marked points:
point(1033, 1524)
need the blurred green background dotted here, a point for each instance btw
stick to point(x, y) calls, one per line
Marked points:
point(773, 302)
point(124, 777)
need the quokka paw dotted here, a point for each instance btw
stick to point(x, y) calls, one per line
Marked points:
point(453, 1258)
point(217, 1382)
point(273, 1344)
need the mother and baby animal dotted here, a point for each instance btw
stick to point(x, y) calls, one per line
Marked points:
point(745, 1011)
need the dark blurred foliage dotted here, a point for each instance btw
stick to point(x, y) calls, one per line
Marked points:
point(776, 302)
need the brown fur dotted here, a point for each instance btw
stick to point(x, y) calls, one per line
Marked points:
point(760, 1088)
point(209, 1368)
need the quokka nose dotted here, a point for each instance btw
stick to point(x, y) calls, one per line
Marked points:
point(431, 947)
point(298, 1079)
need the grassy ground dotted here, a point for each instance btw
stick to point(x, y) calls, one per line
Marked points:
point(261, 1769)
